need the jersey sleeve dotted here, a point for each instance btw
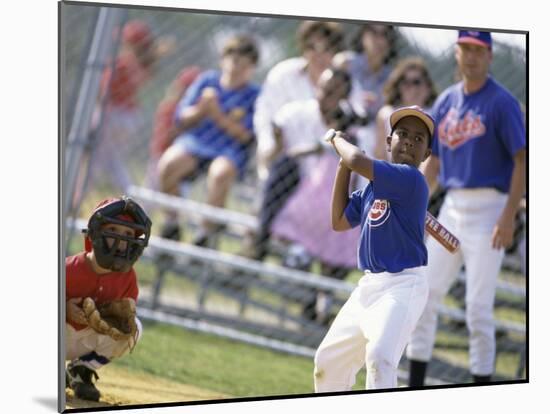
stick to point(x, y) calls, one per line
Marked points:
point(132, 288)
point(395, 182)
point(437, 114)
point(353, 209)
point(510, 125)
point(269, 101)
point(285, 116)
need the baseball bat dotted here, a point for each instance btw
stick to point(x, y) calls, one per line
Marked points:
point(441, 234)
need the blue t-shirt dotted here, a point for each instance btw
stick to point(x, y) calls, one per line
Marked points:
point(206, 138)
point(477, 136)
point(391, 210)
point(363, 77)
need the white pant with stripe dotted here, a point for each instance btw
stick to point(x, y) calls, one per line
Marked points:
point(470, 214)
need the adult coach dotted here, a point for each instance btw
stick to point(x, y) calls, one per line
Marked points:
point(478, 154)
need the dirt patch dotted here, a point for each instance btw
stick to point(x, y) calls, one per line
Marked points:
point(118, 386)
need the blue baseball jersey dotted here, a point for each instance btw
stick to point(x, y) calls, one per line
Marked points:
point(206, 139)
point(391, 210)
point(477, 136)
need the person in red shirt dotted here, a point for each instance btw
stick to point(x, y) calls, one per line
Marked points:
point(118, 116)
point(118, 231)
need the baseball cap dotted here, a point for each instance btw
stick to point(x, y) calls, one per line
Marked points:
point(475, 38)
point(415, 111)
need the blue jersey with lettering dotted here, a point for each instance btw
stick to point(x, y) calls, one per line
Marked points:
point(477, 136)
point(391, 210)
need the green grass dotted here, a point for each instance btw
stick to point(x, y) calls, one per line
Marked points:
point(219, 364)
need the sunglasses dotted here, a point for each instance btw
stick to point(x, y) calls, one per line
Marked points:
point(412, 82)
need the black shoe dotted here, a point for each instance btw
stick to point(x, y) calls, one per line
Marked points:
point(417, 373)
point(309, 310)
point(201, 239)
point(203, 236)
point(481, 379)
point(80, 381)
point(171, 231)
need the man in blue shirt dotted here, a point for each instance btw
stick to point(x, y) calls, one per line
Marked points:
point(373, 326)
point(478, 156)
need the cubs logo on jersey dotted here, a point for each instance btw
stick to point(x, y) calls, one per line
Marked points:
point(454, 131)
point(379, 213)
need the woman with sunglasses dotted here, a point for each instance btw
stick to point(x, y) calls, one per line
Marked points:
point(408, 84)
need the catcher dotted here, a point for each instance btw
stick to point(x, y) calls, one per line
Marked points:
point(101, 292)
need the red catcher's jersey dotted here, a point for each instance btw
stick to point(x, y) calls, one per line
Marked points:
point(82, 282)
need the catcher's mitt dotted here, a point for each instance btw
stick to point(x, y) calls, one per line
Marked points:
point(115, 319)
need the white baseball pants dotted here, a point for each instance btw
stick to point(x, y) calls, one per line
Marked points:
point(470, 214)
point(371, 329)
point(88, 341)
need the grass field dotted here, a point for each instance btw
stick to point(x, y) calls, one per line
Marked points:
point(220, 365)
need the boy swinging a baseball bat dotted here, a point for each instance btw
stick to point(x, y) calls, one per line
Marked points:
point(374, 325)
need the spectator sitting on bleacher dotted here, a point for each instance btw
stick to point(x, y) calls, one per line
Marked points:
point(117, 115)
point(216, 118)
point(164, 128)
point(293, 79)
point(305, 218)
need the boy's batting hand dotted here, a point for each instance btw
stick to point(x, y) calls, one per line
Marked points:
point(332, 133)
point(329, 136)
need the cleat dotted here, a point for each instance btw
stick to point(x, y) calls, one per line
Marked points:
point(79, 378)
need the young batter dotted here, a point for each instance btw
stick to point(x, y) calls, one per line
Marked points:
point(374, 325)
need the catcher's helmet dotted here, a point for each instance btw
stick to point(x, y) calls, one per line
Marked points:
point(122, 211)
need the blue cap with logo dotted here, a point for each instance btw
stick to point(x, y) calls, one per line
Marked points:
point(475, 38)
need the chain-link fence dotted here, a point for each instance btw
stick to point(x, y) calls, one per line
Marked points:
point(242, 225)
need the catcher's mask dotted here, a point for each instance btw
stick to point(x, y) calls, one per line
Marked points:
point(121, 211)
